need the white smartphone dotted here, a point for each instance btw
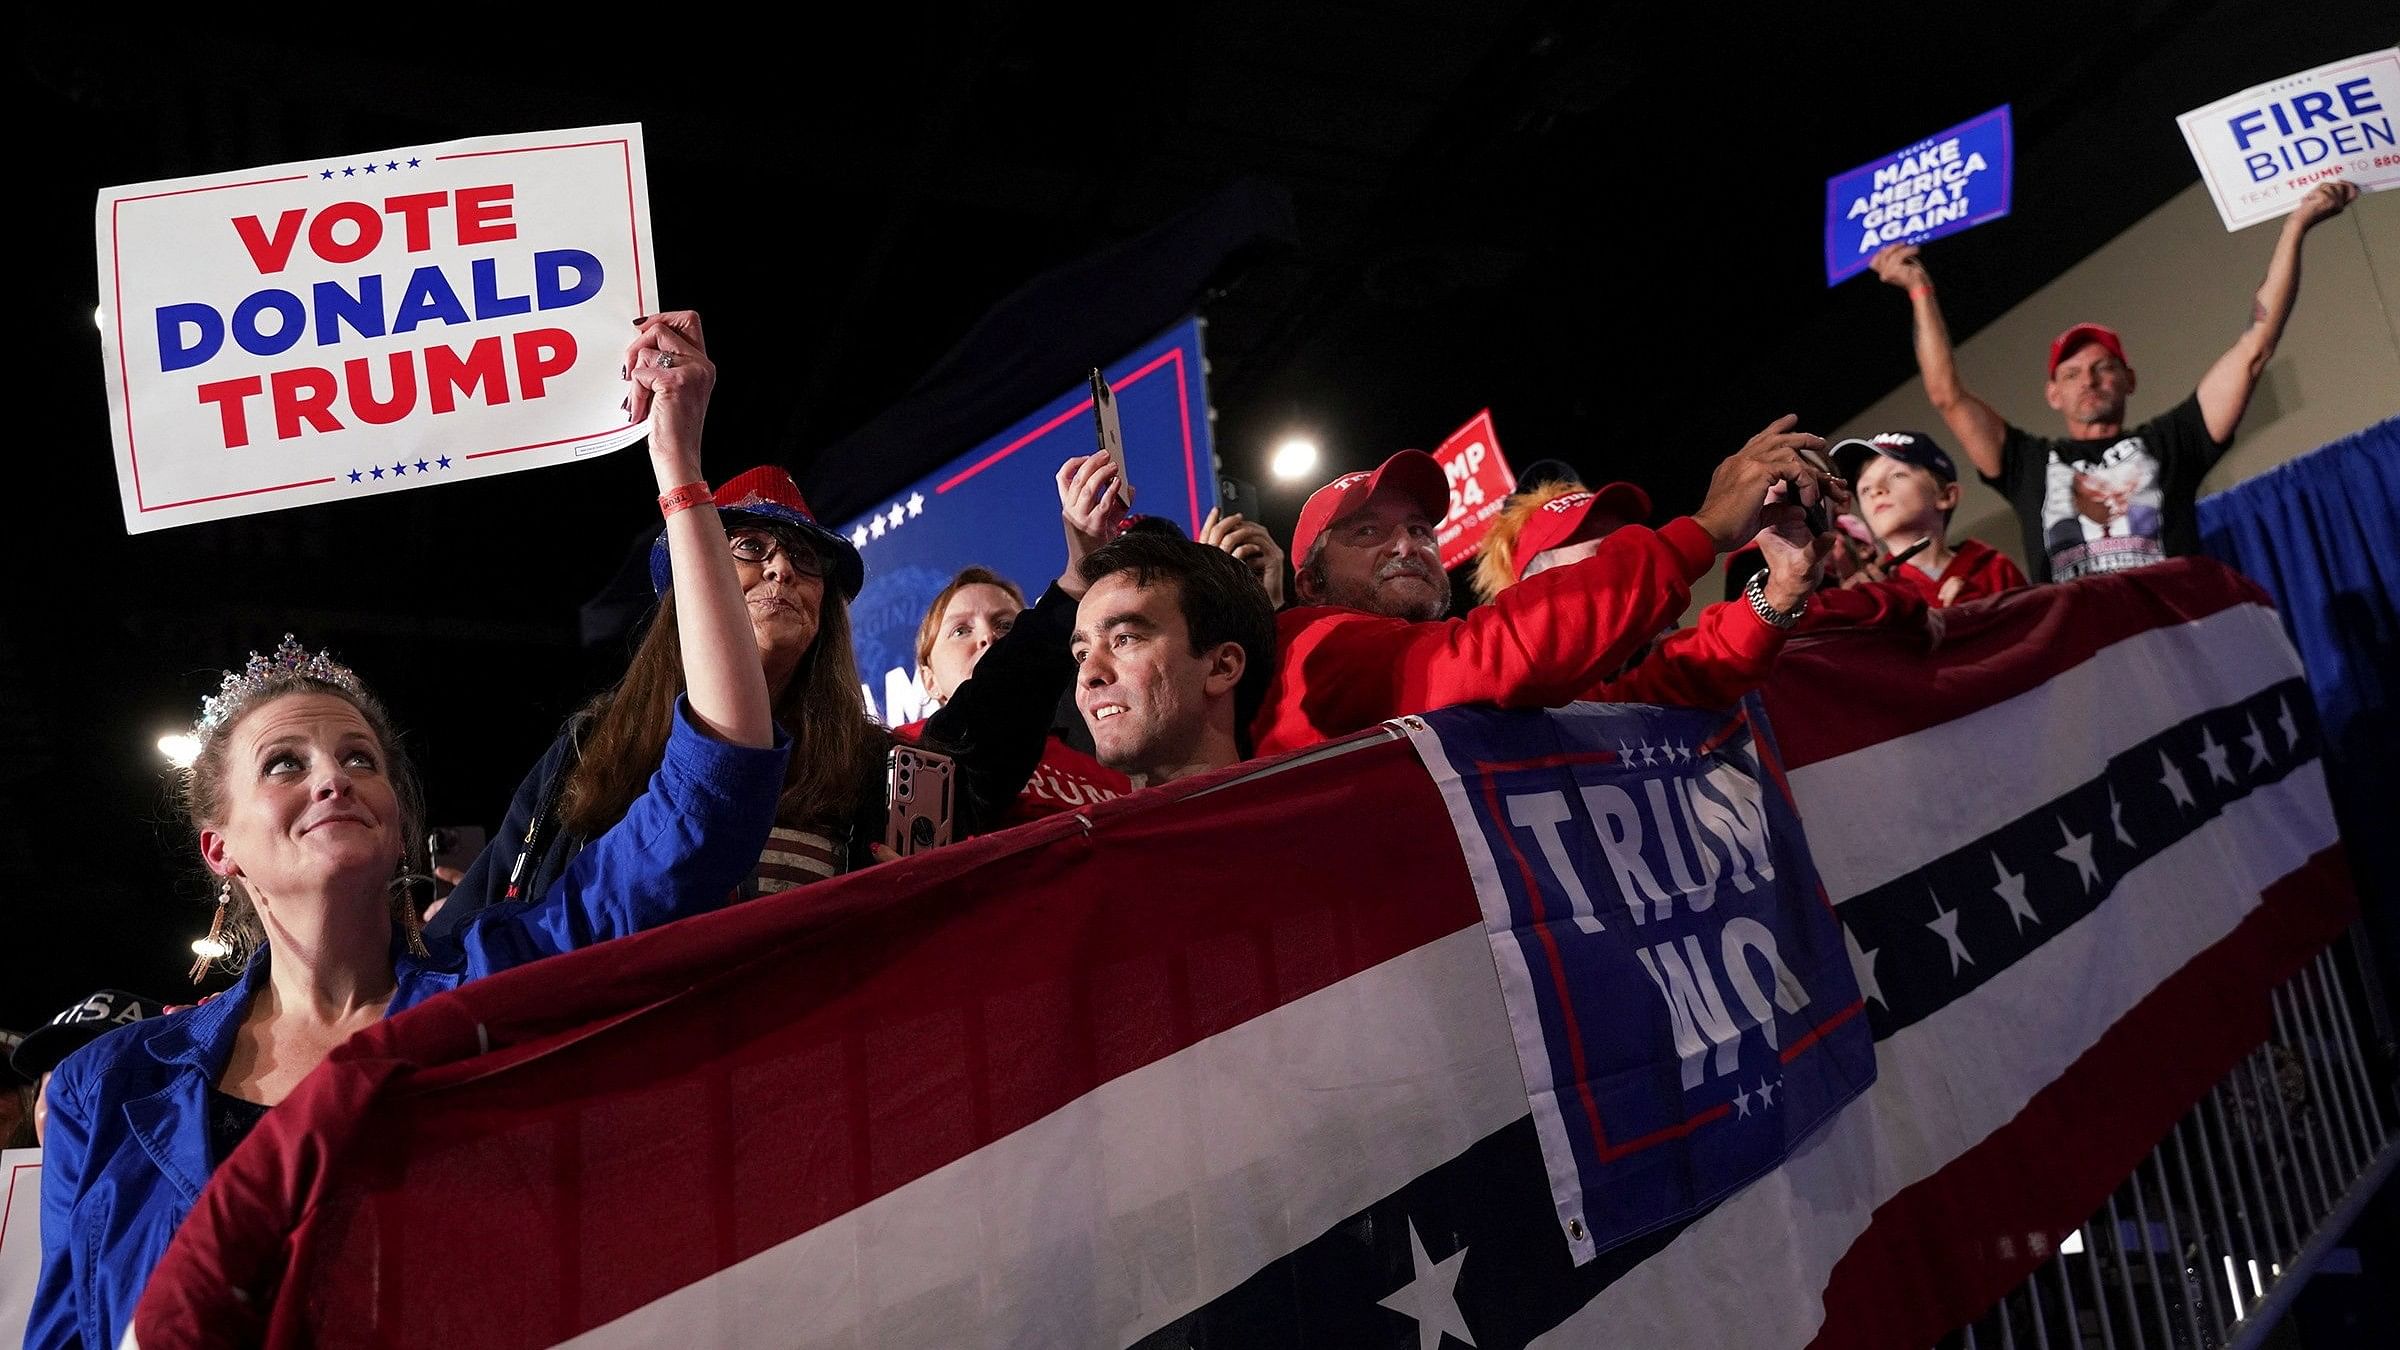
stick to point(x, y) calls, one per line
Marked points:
point(1111, 431)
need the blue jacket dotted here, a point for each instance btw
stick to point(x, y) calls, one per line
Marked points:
point(126, 1150)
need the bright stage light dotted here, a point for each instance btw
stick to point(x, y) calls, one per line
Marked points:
point(179, 749)
point(1295, 458)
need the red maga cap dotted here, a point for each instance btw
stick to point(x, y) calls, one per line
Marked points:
point(1413, 472)
point(2074, 338)
point(1563, 520)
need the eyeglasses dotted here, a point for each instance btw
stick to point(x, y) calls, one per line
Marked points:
point(756, 546)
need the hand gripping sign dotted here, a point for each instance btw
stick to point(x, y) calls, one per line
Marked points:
point(2261, 150)
point(369, 323)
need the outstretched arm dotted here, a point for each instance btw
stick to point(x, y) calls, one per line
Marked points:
point(1979, 427)
point(723, 681)
point(2225, 390)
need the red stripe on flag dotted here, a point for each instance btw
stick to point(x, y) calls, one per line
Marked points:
point(1916, 1272)
point(849, 1038)
point(1845, 689)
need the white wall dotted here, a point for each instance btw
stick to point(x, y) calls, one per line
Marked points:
point(2178, 288)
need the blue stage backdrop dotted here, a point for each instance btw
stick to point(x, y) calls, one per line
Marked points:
point(997, 504)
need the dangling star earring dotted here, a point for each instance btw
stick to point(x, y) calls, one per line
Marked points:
point(213, 948)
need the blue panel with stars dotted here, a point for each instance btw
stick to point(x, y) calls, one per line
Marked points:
point(1685, 1007)
point(996, 505)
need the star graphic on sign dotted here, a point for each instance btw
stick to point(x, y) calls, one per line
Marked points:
point(376, 472)
point(394, 165)
point(1625, 754)
point(2291, 726)
point(1741, 1103)
point(421, 466)
point(2257, 741)
point(896, 516)
point(327, 174)
point(399, 470)
point(2078, 850)
point(2215, 756)
point(1862, 965)
point(348, 172)
point(875, 526)
point(2116, 818)
point(412, 163)
point(443, 462)
point(2011, 890)
point(354, 475)
point(370, 168)
point(916, 504)
point(1766, 1092)
point(1432, 1297)
point(2171, 778)
point(858, 537)
point(1944, 923)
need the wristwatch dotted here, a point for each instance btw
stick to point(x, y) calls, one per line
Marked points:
point(1756, 591)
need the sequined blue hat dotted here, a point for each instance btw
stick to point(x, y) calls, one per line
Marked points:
point(768, 493)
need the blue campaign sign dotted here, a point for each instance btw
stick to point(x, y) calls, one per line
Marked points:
point(1683, 1003)
point(997, 505)
point(1950, 181)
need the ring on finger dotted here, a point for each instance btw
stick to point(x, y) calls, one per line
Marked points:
point(666, 360)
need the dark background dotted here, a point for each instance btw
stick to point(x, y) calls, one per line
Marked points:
point(1601, 222)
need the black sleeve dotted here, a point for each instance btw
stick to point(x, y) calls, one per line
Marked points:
point(486, 882)
point(2183, 433)
point(2017, 449)
point(996, 723)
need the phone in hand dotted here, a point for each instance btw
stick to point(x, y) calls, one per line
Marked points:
point(1237, 498)
point(1814, 514)
point(922, 789)
point(1111, 431)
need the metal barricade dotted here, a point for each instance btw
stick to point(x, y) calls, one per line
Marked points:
point(2210, 1239)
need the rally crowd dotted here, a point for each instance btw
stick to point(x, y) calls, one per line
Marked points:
point(736, 757)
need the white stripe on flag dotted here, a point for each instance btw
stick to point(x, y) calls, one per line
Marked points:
point(1753, 1271)
point(1986, 766)
point(1149, 1196)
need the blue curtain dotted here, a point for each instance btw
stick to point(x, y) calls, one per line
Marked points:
point(2322, 535)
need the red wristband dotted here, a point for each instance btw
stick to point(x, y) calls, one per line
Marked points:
point(684, 498)
point(1915, 291)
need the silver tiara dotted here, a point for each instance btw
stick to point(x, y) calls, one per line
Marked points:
point(288, 658)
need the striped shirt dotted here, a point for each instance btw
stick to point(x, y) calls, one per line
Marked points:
point(793, 857)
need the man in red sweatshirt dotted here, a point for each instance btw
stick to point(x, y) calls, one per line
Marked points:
point(1367, 641)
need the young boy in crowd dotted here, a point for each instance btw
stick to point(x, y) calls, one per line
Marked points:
point(1906, 489)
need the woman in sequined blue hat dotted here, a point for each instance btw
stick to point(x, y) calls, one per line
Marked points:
point(307, 813)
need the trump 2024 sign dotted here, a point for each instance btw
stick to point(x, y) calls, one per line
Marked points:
point(370, 323)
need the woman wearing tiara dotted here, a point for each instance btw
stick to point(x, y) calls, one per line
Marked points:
point(307, 812)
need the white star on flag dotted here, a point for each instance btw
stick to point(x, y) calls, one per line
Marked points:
point(1944, 923)
point(1766, 1092)
point(2011, 890)
point(2290, 725)
point(1741, 1103)
point(896, 516)
point(875, 526)
point(2215, 755)
point(2171, 778)
point(858, 537)
point(1649, 756)
point(1683, 752)
point(2078, 850)
point(2116, 818)
point(2257, 741)
point(1432, 1297)
point(1862, 965)
point(916, 504)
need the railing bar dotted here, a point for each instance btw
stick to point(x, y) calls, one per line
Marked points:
point(2340, 995)
point(2265, 1138)
point(2308, 1177)
point(2141, 1214)
point(2066, 1292)
point(2008, 1329)
point(2216, 1201)
point(2353, 1124)
point(2033, 1299)
point(2277, 1244)
point(2320, 1097)
point(2246, 1212)
point(2133, 1311)
point(2091, 1256)
point(2329, 1235)
point(2208, 1270)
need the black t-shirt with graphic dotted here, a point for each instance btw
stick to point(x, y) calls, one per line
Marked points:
point(2110, 503)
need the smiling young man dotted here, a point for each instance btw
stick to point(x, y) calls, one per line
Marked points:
point(1368, 642)
point(1174, 645)
point(2105, 497)
point(1907, 488)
